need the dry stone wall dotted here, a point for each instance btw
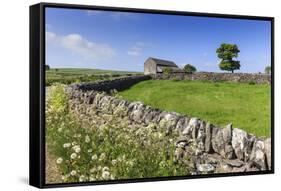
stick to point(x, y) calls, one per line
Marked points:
point(211, 148)
point(216, 77)
point(108, 85)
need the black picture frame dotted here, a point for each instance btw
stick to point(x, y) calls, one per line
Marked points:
point(37, 93)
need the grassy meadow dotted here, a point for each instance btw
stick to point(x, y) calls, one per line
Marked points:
point(77, 75)
point(247, 106)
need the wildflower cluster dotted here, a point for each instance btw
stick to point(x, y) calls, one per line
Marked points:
point(106, 147)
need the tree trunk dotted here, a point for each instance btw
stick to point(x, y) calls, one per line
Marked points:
point(232, 71)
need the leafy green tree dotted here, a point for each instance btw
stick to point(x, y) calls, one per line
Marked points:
point(167, 70)
point(267, 70)
point(47, 67)
point(226, 52)
point(188, 68)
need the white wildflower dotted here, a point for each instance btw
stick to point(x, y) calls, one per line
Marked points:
point(87, 139)
point(59, 129)
point(114, 162)
point(102, 157)
point(66, 145)
point(82, 178)
point(92, 178)
point(99, 167)
point(112, 177)
point(59, 160)
point(90, 150)
point(160, 135)
point(73, 143)
point(73, 155)
point(73, 172)
point(130, 163)
point(94, 157)
point(76, 148)
point(105, 168)
point(92, 170)
point(105, 175)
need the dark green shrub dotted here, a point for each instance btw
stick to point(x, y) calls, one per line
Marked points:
point(188, 68)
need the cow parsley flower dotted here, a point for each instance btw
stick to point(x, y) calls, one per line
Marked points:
point(105, 168)
point(82, 178)
point(114, 162)
point(66, 145)
point(59, 160)
point(94, 157)
point(102, 157)
point(73, 155)
point(73, 172)
point(90, 150)
point(87, 139)
point(92, 178)
point(76, 148)
point(105, 175)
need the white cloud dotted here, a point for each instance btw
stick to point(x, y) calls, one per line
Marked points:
point(93, 12)
point(48, 26)
point(50, 36)
point(80, 45)
point(117, 16)
point(136, 50)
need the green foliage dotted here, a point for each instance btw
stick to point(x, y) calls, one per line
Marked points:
point(47, 67)
point(78, 75)
point(188, 68)
point(220, 103)
point(267, 70)
point(167, 70)
point(229, 65)
point(252, 83)
point(226, 52)
point(88, 151)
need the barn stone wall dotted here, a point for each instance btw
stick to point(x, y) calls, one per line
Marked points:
point(210, 148)
point(216, 77)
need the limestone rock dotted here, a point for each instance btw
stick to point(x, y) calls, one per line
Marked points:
point(208, 139)
point(221, 141)
point(258, 156)
point(242, 144)
point(191, 128)
point(205, 168)
point(267, 150)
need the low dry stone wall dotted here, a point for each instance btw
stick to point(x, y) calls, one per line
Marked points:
point(114, 84)
point(211, 148)
point(216, 77)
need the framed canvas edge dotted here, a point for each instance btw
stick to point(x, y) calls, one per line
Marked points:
point(39, 170)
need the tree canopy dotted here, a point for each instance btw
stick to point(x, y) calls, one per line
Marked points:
point(267, 70)
point(189, 68)
point(226, 52)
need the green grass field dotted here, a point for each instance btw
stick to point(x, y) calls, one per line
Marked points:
point(245, 105)
point(77, 75)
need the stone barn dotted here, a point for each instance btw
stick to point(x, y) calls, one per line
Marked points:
point(156, 66)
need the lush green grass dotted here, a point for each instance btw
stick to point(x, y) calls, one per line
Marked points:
point(247, 106)
point(77, 75)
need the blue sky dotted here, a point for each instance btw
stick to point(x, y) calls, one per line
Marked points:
point(123, 41)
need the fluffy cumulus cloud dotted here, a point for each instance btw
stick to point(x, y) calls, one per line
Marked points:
point(80, 45)
point(117, 16)
point(136, 50)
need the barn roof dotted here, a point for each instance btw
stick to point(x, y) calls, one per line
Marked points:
point(163, 62)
